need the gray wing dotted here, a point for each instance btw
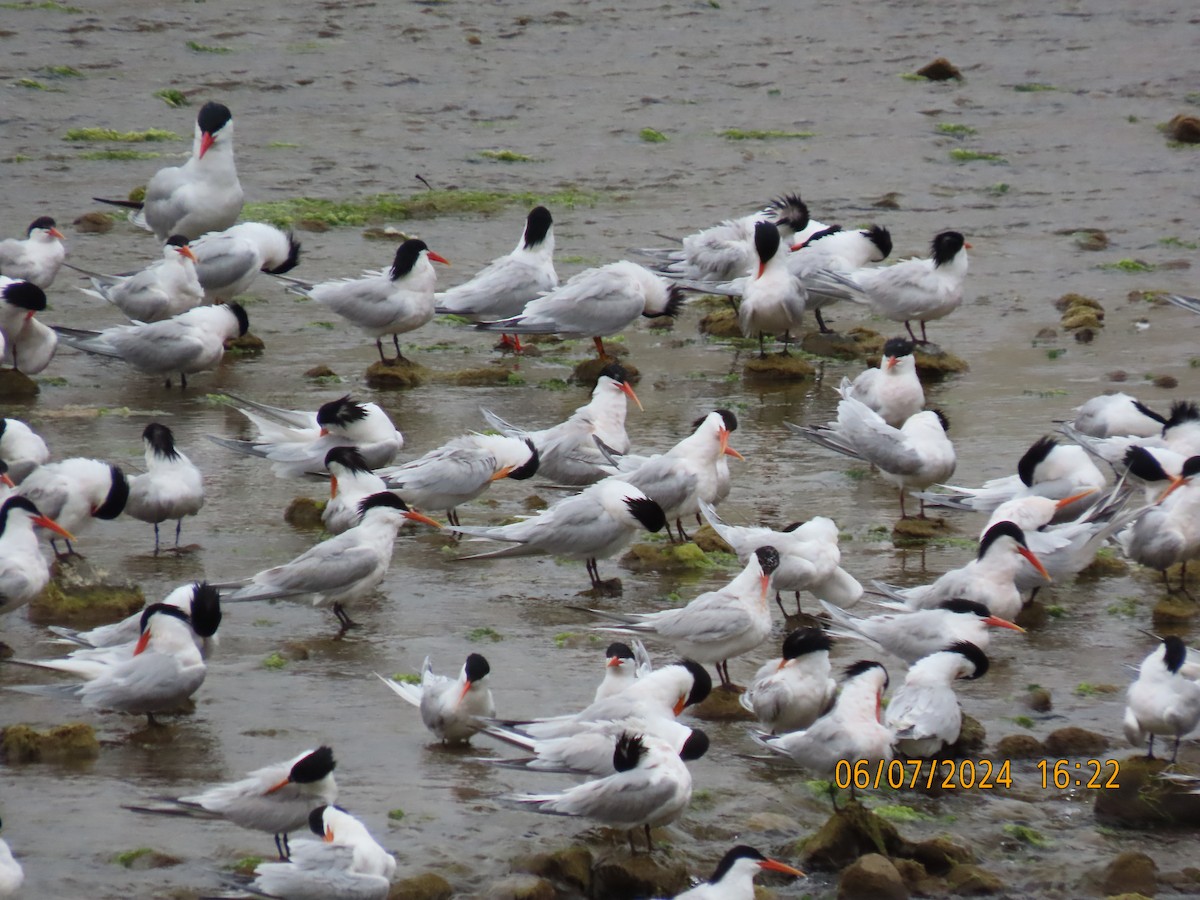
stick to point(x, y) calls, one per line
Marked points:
point(325, 567)
point(223, 261)
point(161, 346)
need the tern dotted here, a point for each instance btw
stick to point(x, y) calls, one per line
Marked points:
point(716, 626)
point(24, 572)
point(733, 878)
point(276, 798)
point(461, 470)
point(391, 301)
point(505, 285)
point(914, 634)
point(160, 291)
point(1178, 439)
point(1117, 415)
point(893, 390)
point(1169, 531)
point(227, 262)
point(297, 441)
point(171, 487)
point(916, 455)
point(203, 194)
point(567, 453)
point(22, 337)
point(38, 257)
point(623, 665)
point(340, 570)
point(924, 713)
point(592, 525)
point(21, 448)
point(791, 692)
point(346, 863)
point(190, 342)
point(12, 876)
point(75, 491)
point(350, 482)
point(452, 708)
point(596, 303)
point(1162, 700)
point(837, 251)
point(773, 299)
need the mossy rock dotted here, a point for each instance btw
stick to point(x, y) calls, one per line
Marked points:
point(484, 376)
point(16, 385)
point(940, 69)
point(428, 886)
point(935, 364)
point(77, 596)
point(1144, 800)
point(1033, 615)
point(304, 512)
point(1081, 318)
point(661, 557)
point(534, 502)
point(522, 886)
point(778, 367)
point(395, 375)
point(971, 739)
point(1039, 699)
point(834, 345)
point(721, 323)
point(638, 876)
point(571, 866)
point(722, 706)
point(321, 371)
point(940, 854)
point(849, 833)
point(917, 529)
point(249, 344)
point(709, 541)
point(1185, 129)
point(1104, 566)
point(969, 880)
point(1130, 873)
point(1091, 239)
point(587, 373)
point(610, 587)
point(872, 877)
point(94, 223)
point(62, 743)
point(764, 822)
point(1172, 611)
point(1072, 301)
point(144, 859)
point(1020, 746)
point(1074, 741)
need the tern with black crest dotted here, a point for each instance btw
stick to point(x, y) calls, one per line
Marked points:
point(791, 692)
point(170, 488)
point(452, 708)
point(75, 491)
point(1163, 700)
point(24, 572)
point(163, 289)
point(925, 713)
point(893, 390)
point(38, 257)
point(733, 878)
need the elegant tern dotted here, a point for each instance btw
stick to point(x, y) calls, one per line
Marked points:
point(1117, 415)
point(350, 482)
point(1162, 700)
point(452, 708)
point(916, 455)
point(567, 453)
point(21, 448)
point(391, 301)
point(276, 798)
point(733, 879)
point(38, 257)
point(596, 303)
point(297, 441)
point(773, 299)
point(595, 524)
point(893, 390)
point(203, 194)
point(160, 291)
point(623, 665)
point(1168, 532)
point(170, 488)
point(340, 570)
point(791, 692)
point(914, 634)
point(12, 876)
point(227, 262)
point(24, 572)
point(75, 491)
point(21, 335)
point(924, 712)
point(837, 251)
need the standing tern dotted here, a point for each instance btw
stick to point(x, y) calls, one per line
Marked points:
point(916, 455)
point(773, 298)
point(170, 488)
point(276, 798)
point(652, 786)
point(461, 470)
point(12, 876)
point(350, 482)
point(75, 491)
point(893, 390)
point(21, 448)
point(1116, 415)
point(596, 303)
point(988, 579)
point(809, 558)
point(391, 301)
point(592, 525)
point(503, 287)
point(298, 441)
point(914, 634)
point(452, 708)
point(346, 864)
point(340, 570)
point(924, 713)
point(160, 291)
point(567, 453)
point(227, 262)
point(24, 572)
point(718, 625)
point(1169, 531)
point(21, 300)
point(1178, 439)
point(190, 342)
point(623, 665)
point(203, 194)
point(791, 692)
point(733, 879)
point(837, 251)
point(1162, 700)
point(36, 259)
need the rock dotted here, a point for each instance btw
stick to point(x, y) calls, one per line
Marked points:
point(588, 371)
point(890, 200)
point(849, 833)
point(971, 739)
point(483, 376)
point(967, 880)
point(1142, 799)
point(941, 69)
point(62, 743)
point(1173, 610)
point(1020, 746)
point(321, 371)
point(1131, 873)
point(1075, 741)
point(1167, 382)
point(16, 385)
point(294, 651)
point(249, 344)
point(521, 887)
point(610, 587)
point(395, 375)
point(145, 858)
point(304, 512)
point(664, 557)
point(709, 541)
point(94, 223)
point(571, 867)
point(1032, 616)
point(722, 706)
point(1091, 239)
point(1104, 565)
point(1080, 319)
point(1085, 335)
point(721, 323)
point(1038, 699)
point(778, 367)
point(872, 877)
point(1045, 334)
point(1067, 301)
point(838, 346)
point(422, 887)
point(1185, 129)
point(316, 226)
point(915, 878)
point(80, 596)
point(534, 502)
point(915, 528)
point(638, 876)
point(765, 821)
point(940, 854)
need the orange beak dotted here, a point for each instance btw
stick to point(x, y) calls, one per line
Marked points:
point(29, 315)
point(438, 258)
point(328, 835)
point(775, 866)
point(765, 581)
point(1177, 481)
point(614, 663)
point(680, 704)
point(5, 480)
point(1034, 561)
point(782, 663)
point(206, 141)
point(187, 251)
point(332, 486)
point(324, 431)
point(998, 622)
point(628, 392)
point(761, 267)
point(723, 434)
point(503, 473)
point(891, 362)
point(967, 245)
point(279, 786)
point(46, 522)
point(466, 687)
point(142, 643)
point(54, 232)
point(1067, 501)
point(413, 516)
point(798, 246)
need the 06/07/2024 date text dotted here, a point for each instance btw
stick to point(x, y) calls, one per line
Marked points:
point(971, 774)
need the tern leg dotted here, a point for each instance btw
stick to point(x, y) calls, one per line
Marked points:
point(825, 329)
point(178, 528)
point(1175, 752)
point(167, 382)
point(379, 347)
point(787, 339)
point(779, 603)
point(279, 849)
point(182, 380)
point(903, 514)
point(396, 344)
point(799, 609)
point(343, 617)
point(600, 348)
point(762, 352)
point(153, 722)
point(649, 840)
point(908, 325)
point(682, 534)
point(924, 339)
point(593, 572)
point(452, 517)
point(1150, 748)
point(156, 539)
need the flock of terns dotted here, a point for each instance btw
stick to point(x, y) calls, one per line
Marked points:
point(1128, 477)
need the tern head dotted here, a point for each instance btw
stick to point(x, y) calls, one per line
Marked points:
point(26, 506)
point(340, 413)
point(290, 261)
point(214, 118)
point(804, 641)
point(349, 459)
point(789, 212)
point(668, 304)
point(148, 614)
point(116, 497)
point(316, 823)
point(206, 609)
point(946, 246)
point(616, 373)
point(1182, 412)
point(178, 244)
point(386, 500)
point(823, 233)
point(961, 606)
point(766, 244)
point(746, 857)
point(725, 423)
point(4, 479)
point(46, 227)
point(768, 561)
point(695, 746)
point(701, 684)
point(407, 255)
point(647, 512)
point(239, 313)
point(310, 768)
point(24, 295)
point(896, 349)
point(882, 239)
point(474, 670)
point(1141, 463)
point(537, 226)
point(864, 666)
point(161, 440)
point(617, 654)
point(1174, 653)
point(1033, 457)
point(1000, 534)
point(629, 751)
point(976, 659)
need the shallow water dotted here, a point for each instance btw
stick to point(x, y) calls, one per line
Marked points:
point(340, 99)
